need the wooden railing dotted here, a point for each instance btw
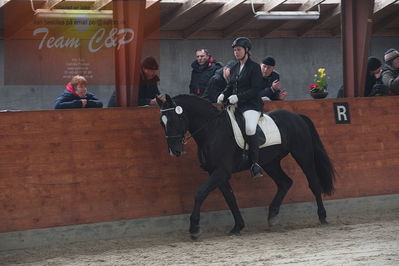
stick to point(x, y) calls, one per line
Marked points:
point(69, 167)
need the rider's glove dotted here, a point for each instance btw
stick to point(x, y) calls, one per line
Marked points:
point(220, 98)
point(233, 99)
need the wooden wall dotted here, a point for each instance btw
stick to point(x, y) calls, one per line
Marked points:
point(69, 167)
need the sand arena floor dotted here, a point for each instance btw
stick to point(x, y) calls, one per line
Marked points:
point(360, 240)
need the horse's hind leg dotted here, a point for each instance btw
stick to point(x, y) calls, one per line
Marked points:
point(228, 195)
point(283, 183)
point(306, 162)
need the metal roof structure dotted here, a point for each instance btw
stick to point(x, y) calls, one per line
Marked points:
point(217, 19)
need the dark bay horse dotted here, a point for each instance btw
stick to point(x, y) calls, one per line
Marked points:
point(220, 156)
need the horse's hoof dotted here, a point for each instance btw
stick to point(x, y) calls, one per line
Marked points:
point(272, 220)
point(234, 233)
point(195, 236)
point(323, 222)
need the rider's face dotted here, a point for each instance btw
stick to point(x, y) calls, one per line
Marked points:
point(239, 52)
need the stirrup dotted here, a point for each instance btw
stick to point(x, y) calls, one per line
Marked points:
point(256, 170)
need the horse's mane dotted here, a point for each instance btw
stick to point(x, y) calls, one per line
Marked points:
point(196, 105)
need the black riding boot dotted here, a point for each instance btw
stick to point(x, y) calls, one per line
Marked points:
point(256, 170)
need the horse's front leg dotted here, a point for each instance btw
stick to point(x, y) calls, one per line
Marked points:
point(218, 177)
point(228, 195)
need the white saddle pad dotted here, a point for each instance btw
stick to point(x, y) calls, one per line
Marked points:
point(267, 125)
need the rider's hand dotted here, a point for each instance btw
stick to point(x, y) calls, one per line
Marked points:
point(220, 98)
point(233, 99)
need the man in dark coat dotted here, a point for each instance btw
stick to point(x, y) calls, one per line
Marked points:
point(148, 82)
point(148, 88)
point(75, 95)
point(374, 86)
point(203, 68)
point(218, 82)
point(272, 88)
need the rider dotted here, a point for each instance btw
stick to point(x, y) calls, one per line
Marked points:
point(243, 89)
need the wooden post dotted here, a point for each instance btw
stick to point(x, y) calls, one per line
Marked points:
point(356, 36)
point(128, 15)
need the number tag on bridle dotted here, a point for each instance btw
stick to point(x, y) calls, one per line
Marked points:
point(178, 110)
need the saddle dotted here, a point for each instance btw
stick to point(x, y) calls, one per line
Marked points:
point(266, 130)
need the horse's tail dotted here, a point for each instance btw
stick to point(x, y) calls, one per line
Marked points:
point(324, 167)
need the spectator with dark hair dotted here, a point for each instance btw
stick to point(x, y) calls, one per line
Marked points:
point(203, 68)
point(272, 90)
point(390, 71)
point(218, 82)
point(374, 86)
point(148, 88)
point(148, 82)
point(75, 95)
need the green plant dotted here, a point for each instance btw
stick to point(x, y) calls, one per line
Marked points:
point(320, 80)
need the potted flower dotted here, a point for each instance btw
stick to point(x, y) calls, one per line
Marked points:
point(318, 90)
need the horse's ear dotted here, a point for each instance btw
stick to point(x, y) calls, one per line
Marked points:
point(160, 99)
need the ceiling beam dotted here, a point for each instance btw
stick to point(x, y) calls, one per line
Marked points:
point(247, 19)
point(50, 4)
point(324, 17)
point(383, 22)
point(221, 11)
point(186, 7)
point(308, 5)
point(99, 4)
point(382, 4)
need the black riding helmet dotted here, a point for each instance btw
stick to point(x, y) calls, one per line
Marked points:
point(243, 42)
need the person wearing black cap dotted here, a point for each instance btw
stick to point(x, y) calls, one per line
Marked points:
point(148, 88)
point(272, 88)
point(390, 71)
point(149, 79)
point(243, 91)
point(373, 85)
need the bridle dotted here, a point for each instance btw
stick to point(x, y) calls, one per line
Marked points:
point(174, 136)
point(182, 136)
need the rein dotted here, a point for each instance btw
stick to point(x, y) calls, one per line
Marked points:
point(184, 138)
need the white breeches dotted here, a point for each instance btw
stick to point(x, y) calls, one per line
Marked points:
point(251, 120)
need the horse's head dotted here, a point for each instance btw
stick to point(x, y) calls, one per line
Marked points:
point(174, 123)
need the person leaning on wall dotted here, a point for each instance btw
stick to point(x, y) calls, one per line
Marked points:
point(390, 71)
point(148, 88)
point(272, 88)
point(374, 86)
point(76, 95)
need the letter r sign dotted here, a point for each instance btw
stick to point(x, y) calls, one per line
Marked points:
point(342, 115)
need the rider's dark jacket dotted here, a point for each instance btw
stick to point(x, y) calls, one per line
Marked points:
point(247, 85)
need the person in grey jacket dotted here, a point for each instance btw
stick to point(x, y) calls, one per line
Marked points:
point(390, 71)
